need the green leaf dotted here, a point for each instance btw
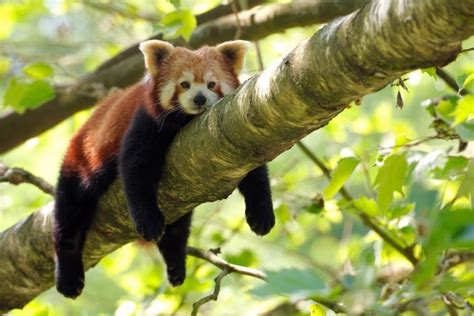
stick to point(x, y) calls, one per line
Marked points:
point(290, 282)
point(314, 208)
point(461, 79)
point(317, 206)
point(464, 110)
point(449, 230)
point(38, 70)
point(37, 93)
point(429, 71)
point(13, 93)
point(467, 185)
point(21, 94)
point(283, 213)
point(317, 310)
point(179, 23)
point(5, 64)
point(453, 167)
point(345, 167)
point(245, 258)
point(367, 205)
point(390, 179)
point(422, 196)
point(176, 3)
point(449, 283)
point(468, 80)
point(401, 210)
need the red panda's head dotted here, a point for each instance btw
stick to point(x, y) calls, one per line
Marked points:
point(194, 80)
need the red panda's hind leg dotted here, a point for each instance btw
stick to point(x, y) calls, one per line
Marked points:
point(173, 248)
point(255, 187)
point(75, 207)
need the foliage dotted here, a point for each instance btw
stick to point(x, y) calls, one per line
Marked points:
point(399, 167)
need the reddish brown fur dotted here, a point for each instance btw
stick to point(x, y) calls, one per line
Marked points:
point(99, 139)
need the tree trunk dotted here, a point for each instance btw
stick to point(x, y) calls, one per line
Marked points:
point(347, 59)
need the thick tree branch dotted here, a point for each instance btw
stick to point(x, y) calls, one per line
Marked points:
point(350, 57)
point(127, 67)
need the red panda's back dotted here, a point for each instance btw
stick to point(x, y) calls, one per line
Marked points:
point(98, 140)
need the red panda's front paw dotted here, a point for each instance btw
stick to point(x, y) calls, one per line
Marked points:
point(260, 217)
point(70, 277)
point(151, 228)
point(176, 275)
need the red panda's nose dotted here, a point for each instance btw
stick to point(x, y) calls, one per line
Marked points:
point(199, 99)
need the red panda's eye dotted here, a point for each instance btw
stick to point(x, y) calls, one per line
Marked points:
point(211, 84)
point(185, 85)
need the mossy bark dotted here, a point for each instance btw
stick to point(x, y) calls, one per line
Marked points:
point(350, 57)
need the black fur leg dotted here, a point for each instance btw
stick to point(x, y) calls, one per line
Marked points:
point(255, 188)
point(75, 207)
point(69, 275)
point(173, 248)
point(141, 163)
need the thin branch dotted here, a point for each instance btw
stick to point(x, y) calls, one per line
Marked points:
point(211, 297)
point(235, 10)
point(335, 306)
point(109, 7)
point(467, 50)
point(407, 252)
point(211, 257)
point(318, 162)
point(17, 176)
point(226, 267)
point(450, 81)
point(454, 258)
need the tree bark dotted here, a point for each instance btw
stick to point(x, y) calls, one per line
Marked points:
point(127, 67)
point(347, 59)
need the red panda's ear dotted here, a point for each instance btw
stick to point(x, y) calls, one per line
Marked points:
point(154, 52)
point(234, 51)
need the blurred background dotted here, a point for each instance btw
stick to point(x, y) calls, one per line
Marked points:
point(319, 248)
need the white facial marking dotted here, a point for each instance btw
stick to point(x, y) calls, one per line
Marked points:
point(187, 76)
point(166, 94)
point(209, 76)
point(226, 88)
point(186, 99)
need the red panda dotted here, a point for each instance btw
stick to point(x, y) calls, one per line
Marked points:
point(129, 135)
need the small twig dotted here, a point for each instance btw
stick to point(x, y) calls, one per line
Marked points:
point(226, 267)
point(466, 50)
point(335, 306)
point(261, 65)
point(210, 297)
point(454, 258)
point(235, 10)
point(211, 257)
point(17, 176)
point(450, 81)
point(110, 8)
point(323, 167)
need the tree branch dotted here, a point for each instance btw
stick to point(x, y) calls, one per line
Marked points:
point(127, 67)
point(348, 58)
point(226, 269)
point(450, 81)
point(212, 257)
point(407, 252)
point(17, 176)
